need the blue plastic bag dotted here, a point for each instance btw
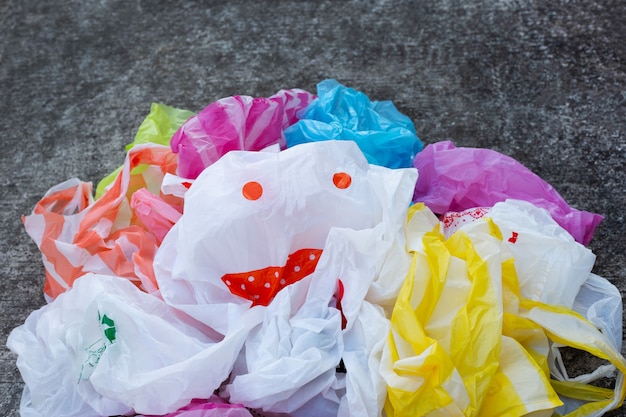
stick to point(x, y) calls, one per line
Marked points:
point(386, 136)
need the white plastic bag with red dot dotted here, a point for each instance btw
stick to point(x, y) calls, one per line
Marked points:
point(551, 266)
point(256, 222)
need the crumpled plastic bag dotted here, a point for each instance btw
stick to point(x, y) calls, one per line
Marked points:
point(600, 302)
point(456, 179)
point(158, 127)
point(235, 123)
point(580, 395)
point(217, 260)
point(213, 407)
point(386, 136)
point(105, 348)
point(292, 358)
point(76, 234)
point(445, 346)
point(464, 341)
point(551, 266)
point(317, 351)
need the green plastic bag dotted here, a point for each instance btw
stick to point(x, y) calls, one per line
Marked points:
point(158, 127)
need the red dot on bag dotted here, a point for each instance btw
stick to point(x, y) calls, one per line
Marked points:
point(342, 180)
point(252, 190)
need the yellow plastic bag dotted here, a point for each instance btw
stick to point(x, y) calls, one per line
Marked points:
point(464, 343)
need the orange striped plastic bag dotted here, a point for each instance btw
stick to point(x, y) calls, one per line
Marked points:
point(76, 234)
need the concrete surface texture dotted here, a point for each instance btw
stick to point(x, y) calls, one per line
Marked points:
point(543, 81)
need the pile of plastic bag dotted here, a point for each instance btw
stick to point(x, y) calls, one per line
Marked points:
point(305, 255)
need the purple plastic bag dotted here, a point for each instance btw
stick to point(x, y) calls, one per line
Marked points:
point(235, 123)
point(213, 407)
point(456, 179)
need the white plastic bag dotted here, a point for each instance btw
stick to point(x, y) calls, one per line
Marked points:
point(601, 303)
point(551, 266)
point(105, 348)
point(256, 222)
point(316, 326)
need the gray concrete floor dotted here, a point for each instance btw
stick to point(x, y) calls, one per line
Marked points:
point(543, 81)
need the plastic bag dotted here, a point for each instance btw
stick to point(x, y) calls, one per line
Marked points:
point(213, 407)
point(600, 302)
point(446, 342)
point(386, 136)
point(551, 267)
point(566, 328)
point(158, 127)
point(464, 341)
point(456, 179)
point(105, 348)
point(317, 352)
point(235, 123)
point(155, 213)
point(216, 261)
point(77, 235)
point(292, 357)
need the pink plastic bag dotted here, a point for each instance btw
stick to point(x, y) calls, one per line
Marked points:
point(456, 179)
point(213, 407)
point(155, 213)
point(235, 123)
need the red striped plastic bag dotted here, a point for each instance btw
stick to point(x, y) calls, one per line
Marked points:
point(77, 235)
